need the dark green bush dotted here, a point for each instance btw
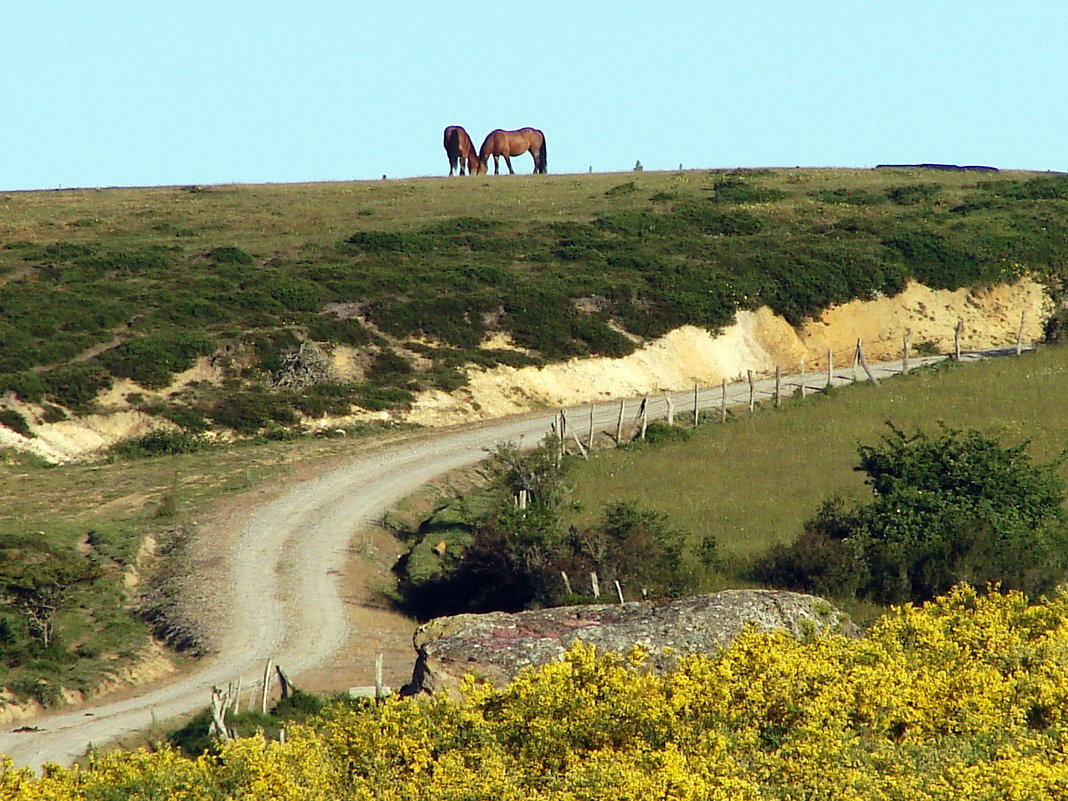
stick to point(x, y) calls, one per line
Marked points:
point(29, 387)
point(271, 346)
point(934, 260)
point(912, 194)
point(391, 242)
point(711, 220)
point(737, 189)
point(295, 294)
point(161, 443)
point(249, 411)
point(327, 328)
point(16, 421)
point(389, 367)
point(950, 508)
point(229, 255)
point(76, 385)
point(153, 360)
point(376, 399)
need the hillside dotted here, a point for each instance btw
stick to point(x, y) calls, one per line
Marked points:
point(249, 310)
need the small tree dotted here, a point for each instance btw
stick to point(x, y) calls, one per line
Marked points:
point(947, 508)
point(37, 579)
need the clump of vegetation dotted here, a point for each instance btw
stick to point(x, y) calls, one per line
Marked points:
point(947, 508)
point(16, 421)
point(161, 443)
point(505, 546)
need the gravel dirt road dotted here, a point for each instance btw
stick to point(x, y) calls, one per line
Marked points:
point(282, 571)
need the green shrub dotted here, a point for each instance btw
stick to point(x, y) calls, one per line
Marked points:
point(16, 421)
point(912, 194)
point(76, 385)
point(29, 387)
point(327, 328)
point(161, 443)
point(934, 260)
point(737, 189)
point(391, 242)
point(249, 411)
point(295, 294)
point(950, 508)
point(229, 255)
point(153, 360)
point(851, 197)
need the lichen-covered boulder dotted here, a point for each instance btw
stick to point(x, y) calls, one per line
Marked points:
point(495, 646)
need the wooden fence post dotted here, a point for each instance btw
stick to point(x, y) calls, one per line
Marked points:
point(670, 409)
point(595, 584)
point(379, 693)
point(752, 390)
point(804, 389)
point(589, 442)
point(778, 386)
point(856, 362)
point(830, 368)
point(723, 400)
point(567, 582)
point(619, 591)
point(864, 364)
point(956, 338)
point(695, 410)
point(1019, 335)
point(906, 341)
point(266, 686)
point(619, 422)
point(643, 416)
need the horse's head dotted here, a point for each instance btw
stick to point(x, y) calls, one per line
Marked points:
point(476, 166)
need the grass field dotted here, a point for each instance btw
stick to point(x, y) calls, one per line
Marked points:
point(753, 481)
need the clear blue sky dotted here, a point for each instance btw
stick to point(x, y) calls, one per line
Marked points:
point(143, 93)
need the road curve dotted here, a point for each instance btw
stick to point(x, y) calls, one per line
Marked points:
point(285, 563)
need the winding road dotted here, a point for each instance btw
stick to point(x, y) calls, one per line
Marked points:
point(291, 609)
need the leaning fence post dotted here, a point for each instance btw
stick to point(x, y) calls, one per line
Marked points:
point(670, 409)
point(595, 584)
point(803, 387)
point(906, 340)
point(589, 442)
point(752, 390)
point(956, 338)
point(778, 386)
point(1019, 335)
point(864, 364)
point(266, 686)
point(619, 422)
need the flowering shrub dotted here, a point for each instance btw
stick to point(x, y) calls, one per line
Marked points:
point(963, 697)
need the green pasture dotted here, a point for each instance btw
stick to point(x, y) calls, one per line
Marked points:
point(753, 481)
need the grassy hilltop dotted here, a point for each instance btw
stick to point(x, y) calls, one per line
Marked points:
point(415, 275)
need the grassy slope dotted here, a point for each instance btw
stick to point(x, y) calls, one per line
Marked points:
point(80, 268)
point(153, 277)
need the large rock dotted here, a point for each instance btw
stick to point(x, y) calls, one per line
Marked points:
point(495, 646)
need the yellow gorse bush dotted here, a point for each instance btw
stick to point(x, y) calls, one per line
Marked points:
point(963, 697)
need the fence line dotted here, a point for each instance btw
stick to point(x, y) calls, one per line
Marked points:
point(839, 367)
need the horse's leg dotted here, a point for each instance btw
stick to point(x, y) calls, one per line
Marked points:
point(508, 161)
point(496, 164)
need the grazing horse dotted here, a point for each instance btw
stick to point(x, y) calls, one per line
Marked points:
point(514, 143)
point(461, 151)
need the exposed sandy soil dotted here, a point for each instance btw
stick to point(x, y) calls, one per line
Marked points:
point(757, 341)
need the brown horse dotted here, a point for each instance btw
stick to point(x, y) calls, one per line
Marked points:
point(461, 151)
point(514, 143)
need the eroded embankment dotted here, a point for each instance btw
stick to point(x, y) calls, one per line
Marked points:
point(758, 341)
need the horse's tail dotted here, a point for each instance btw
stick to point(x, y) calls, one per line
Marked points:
point(544, 155)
